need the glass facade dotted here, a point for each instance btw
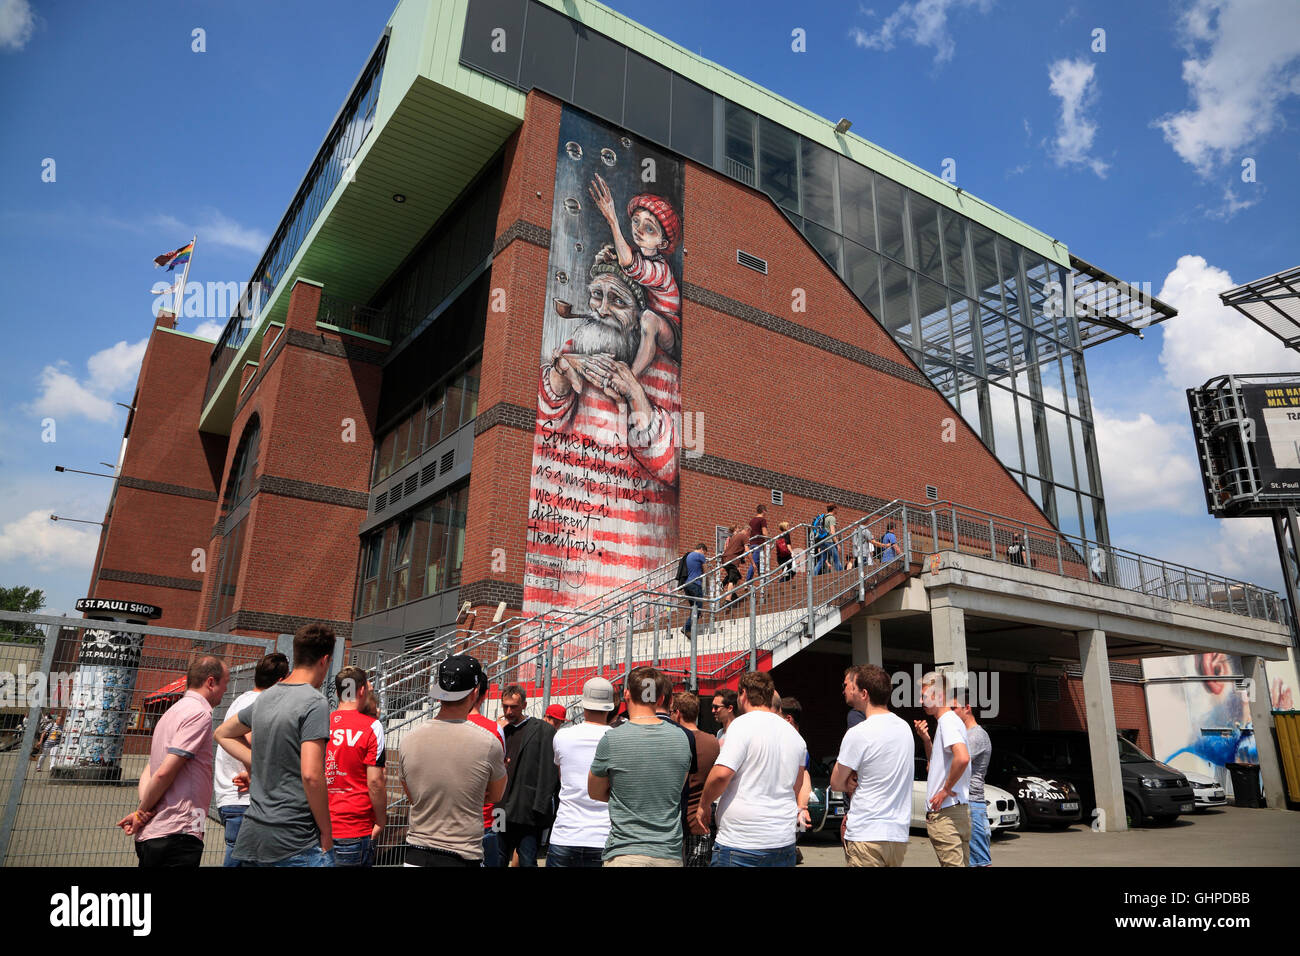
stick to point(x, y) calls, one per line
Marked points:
point(447, 406)
point(234, 508)
point(415, 555)
point(983, 316)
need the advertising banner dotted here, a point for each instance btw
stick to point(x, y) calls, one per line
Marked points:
point(99, 714)
point(603, 506)
point(1276, 413)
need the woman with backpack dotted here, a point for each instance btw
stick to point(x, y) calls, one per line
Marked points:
point(784, 552)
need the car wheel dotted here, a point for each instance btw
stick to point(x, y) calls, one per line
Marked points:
point(1133, 811)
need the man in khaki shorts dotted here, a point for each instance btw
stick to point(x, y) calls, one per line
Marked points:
point(875, 766)
point(947, 792)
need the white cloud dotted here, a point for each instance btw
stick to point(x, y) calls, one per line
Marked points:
point(1232, 205)
point(17, 24)
point(110, 371)
point(1244, 61)
point(211, 329)
point(44, 545)
point(1151, 464)
point(1246, 549)
point(219, 230)
point(924, 22)
point(1073, 82)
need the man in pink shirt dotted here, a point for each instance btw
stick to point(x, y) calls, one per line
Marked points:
point(176, 786)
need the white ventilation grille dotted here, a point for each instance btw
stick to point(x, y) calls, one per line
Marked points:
point(778, 496)
point(751, 261)
point(932, 492)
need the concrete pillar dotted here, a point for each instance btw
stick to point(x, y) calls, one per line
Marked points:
point(867, 648)
point(1261, 715)
point(1102, 735)
point(948, 628)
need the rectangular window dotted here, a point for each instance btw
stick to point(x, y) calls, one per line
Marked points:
point(436, 578)
point(1006, 441)
point(549, 43)
point(483, 20)
point(1009, 272)
point(370, 551)
point(692, 120)
point(997, 350)
point(648, 100)
point(925, 236)
point(740, 161)
point(817, 184)
point(1076, 388)
point(451, 418)
point(932, 312)
point(386, 545)
point(988, 285)
point(954, 248)
point(1067, 512)
point(857, 205)
point(969, 388)
point(1058, 435)
point(1084, 454)
point(401, 573)
point(434, 409)
point(963, 333)
point(419, 548)
point(469, 404)
point(1049, 373)
point(824, 241)
point(1031, 438)
point(897, 317)
point(778, 163)
point(458, 501)
point(889, 218)
point(384, 461)
point(598, 80)
point(862, 273)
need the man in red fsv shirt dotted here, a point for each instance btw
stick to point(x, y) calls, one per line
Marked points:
point(354, 772)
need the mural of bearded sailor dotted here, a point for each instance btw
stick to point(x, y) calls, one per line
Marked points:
point(604, 490)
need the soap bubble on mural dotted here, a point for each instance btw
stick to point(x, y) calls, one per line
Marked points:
point(608, 157)
point(572, 206)
point(574, 150)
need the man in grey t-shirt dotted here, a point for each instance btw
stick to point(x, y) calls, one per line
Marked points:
point(981, 751)
point(288, 818)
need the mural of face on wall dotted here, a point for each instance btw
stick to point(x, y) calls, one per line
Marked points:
point(604, 487)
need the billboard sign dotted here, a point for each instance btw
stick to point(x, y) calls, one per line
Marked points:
point(1275, 413)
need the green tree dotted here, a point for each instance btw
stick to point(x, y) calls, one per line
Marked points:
point(24, 600)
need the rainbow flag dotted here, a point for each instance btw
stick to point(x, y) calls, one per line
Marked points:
point(177, 257)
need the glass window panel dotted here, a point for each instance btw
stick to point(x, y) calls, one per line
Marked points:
point(419, 549)
point(932, 309)
point(954, 248)
point(549, 42)
point(1018, 337)
point(1067, 512)
point(824, 241)
point(778, 163)
point(1036, 288)
point(817, 183)
point(997, 350)
point(692, 120)
point(646, 110)
point(925, 236)
point(857, 206)
point(970, 404)
point(1006, 441)
point(1008, 271)
point(1058, 433)
point(456, 535)
point(897, 290)
point(1050, 376)
point(988, 285)
point(1035, 489)
point(598, 80)
point(434, 407)
point(1089, 518)
point(944, 377)
point(889, 218)
point(451, 418)
point(481, 19)
point(740, 124)
point(1084, 454)
point(1075, 384)
point(469, 405)
point(385, 567)
point(436, 578)
point(1031, 440)
point(384, 463)
point(369, 571)
point(862, 273)
point(401, 564)
point(963, 333)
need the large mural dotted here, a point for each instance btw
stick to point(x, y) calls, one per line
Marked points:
point(1200, 719)
point(603, 496)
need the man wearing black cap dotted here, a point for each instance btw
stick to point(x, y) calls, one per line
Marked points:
point(449, 768)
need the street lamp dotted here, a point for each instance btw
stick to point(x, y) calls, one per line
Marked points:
point(77, 520)
point(78, 472)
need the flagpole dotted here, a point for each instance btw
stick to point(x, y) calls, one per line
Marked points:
point(178, 298)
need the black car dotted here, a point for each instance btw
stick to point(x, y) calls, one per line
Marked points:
point(826, 807)
point(1045, 799)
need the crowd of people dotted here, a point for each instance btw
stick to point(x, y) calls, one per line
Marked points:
point(635, 782)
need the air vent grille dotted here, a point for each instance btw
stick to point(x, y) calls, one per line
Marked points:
point(411, 484)
point(751, 261)
point(381, 502)
point(395, 494)
point(428, 472)
point(778, 496)
point(448, 460)
point(932, 492)
point(1049, 689)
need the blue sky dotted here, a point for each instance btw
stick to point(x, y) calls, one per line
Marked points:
point(1131, 156)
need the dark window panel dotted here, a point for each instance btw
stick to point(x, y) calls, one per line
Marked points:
point(857, 205)
point(925, 236)
point(692, 126)
point(954, 249)
point(825, 242)
point(778, 163)
point(897, 287)
point(482, 18)
point(862, 273)
point(647, 103)
point(740, 127)
point(598, 79)
point(1009, 273)
point(1084, 454)
point(889, 218)
point(932, 312)
point(817, 184)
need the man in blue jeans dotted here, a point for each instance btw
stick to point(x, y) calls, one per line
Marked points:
point(231, 801)
point(757, 536)
point(828, 550)
point(756, 782)
point(981, 752)
point(694, 587)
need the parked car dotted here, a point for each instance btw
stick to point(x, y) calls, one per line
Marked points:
point(1044, 799)
point(826, 807)
point(1206, 792)
point(1003, 813)
point(1152, 790)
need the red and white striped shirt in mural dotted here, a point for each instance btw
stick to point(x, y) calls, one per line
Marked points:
point(603, 508)
point(656, 278)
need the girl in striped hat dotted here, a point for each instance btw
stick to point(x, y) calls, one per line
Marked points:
point(656, 230)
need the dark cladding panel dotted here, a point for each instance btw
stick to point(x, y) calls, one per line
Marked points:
point(649, 92)
point(549, 42)
point(598, 80)
point(692, 127)
point(494, 37)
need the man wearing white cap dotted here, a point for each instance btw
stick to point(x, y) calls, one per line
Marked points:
point(449, 768)
point(582, 824)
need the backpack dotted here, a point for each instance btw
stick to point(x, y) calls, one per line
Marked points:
point(819, 527)
point(682, 571)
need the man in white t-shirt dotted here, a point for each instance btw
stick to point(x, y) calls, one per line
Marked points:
point(231, 802)
point(756, 781)
point(581, 824)
point(948, 789)
point(875, 765)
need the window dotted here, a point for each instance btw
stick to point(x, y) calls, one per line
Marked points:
point(598, 79)
point(648, 100)
point(817, 184)
point(824, 241)
point(862, 273)
point(932, 308)
point(778, 163)
point(455, 394)
point(549, 42)
point(1009, 272)
point(1084, 454)
point(889, 218)
point(370, 553)
point(954, 248)
point(1006, 442)
point(1058, 436)
point(384, 457)
point(1067, 512)
point(240, 484)
point(988, 286)
point(739, 145)
point(232, 548)
point(969, 392)
point(434, 409)
point(925, 236)
point(401, 564)
point(857, 205)
point(482, 20)
point(419, 550)
point(692, 121)
point(897, 285)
